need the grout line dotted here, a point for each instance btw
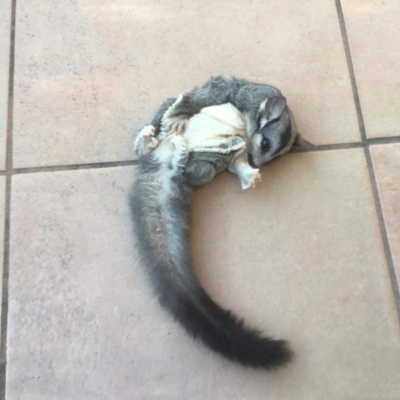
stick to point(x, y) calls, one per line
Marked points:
point(7, 219)
point(113, 164)
point(384, 140)
point(350, 67)
point(74, 167)
point(384, 234)
point(366, 144)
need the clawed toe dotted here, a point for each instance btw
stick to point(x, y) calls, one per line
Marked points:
point(145, 141)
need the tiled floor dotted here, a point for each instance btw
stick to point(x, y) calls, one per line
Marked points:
point(311, 255)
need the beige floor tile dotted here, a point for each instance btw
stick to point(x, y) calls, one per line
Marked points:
point(386, 159)
point(312, 270)
point(300, 257)
point(373, 29)
point(89, 74)
point(5, 26)
point(72, 332)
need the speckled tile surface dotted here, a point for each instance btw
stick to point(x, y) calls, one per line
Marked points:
point(374, 35)
point(5, 26)
point(303, 257)
point(299, 257)
point(387, 168)
point(74, 304)
point(87, 74)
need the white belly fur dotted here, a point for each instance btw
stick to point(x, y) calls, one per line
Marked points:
point(214, 125)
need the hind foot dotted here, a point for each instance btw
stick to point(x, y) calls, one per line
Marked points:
point(181, 153)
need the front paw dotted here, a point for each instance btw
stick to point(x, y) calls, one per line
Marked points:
point(145, 141)
point(174, 124)
point(250, 179)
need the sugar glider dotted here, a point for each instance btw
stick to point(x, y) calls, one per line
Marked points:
point(188, 141)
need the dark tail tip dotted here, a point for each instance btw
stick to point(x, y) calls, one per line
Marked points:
point(257, 351)
point(277, 353)
point(224, 333)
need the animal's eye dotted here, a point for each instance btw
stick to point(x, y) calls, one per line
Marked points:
point(265, 145)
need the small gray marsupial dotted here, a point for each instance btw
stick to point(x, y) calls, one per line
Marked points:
point(188, 141)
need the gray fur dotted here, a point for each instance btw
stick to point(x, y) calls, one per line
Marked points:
point(202, 167)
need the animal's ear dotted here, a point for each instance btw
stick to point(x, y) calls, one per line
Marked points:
point(300, 144)
point(271, 109)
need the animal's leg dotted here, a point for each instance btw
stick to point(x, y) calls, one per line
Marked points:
point(248, 175)
point(202, 167)
point(181, 154)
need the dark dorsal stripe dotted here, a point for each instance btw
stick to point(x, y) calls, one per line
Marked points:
point(284, 138)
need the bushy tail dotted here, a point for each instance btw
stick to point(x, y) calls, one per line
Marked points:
point(162, 228)
point(223, 332)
